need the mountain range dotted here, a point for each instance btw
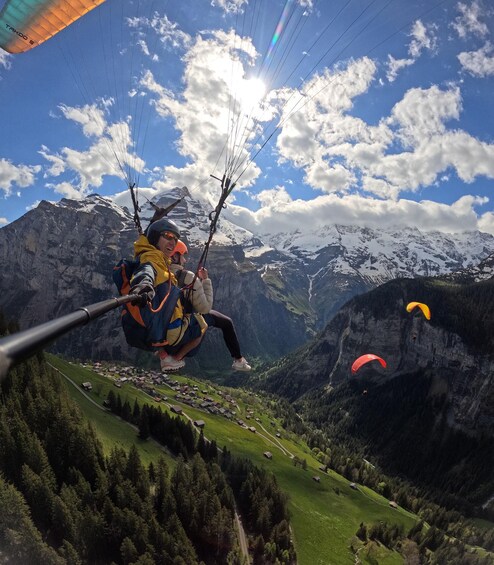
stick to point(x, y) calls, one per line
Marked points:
point(280, 288)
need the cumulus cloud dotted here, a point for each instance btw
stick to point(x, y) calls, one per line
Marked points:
point(478, 63)
point(110, 153)
point(412, 148)
point(90, 117)
point(357, 210)
point(423, 38)
point(469, 21)
point(273, 196)
point(395, 66)
point(423, 113)
point(18, 175)
point(3, 221)
point(5, 60)
point(67, 190)
point(214, 120)
point(314, 125)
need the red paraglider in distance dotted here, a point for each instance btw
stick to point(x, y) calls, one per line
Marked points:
point(363, 359)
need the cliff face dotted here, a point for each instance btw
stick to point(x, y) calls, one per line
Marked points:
point(455, 346)
point(60, 257)
point(428, 416)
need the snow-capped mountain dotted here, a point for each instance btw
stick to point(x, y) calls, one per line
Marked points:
point(279, 288)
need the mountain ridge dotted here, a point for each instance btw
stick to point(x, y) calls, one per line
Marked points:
point(279, 289)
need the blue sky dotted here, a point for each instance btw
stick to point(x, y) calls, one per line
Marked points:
point(378, 112)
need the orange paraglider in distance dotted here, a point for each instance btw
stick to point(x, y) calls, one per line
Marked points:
point(363, 359)
point(26, 24)
point(425, 309)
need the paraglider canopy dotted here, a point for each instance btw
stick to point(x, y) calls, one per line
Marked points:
point(24, 24)
point(363, 359)
point(425, 309)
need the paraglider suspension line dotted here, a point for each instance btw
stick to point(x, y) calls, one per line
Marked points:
point(137, 220)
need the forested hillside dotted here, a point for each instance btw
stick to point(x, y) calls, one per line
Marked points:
point(64, 502)
point(429, 415)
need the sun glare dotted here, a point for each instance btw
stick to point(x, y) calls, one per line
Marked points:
point(251, 93)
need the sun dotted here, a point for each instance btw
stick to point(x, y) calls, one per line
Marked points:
point(251, 93)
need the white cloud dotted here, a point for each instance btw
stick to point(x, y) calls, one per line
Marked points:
point(314, 123)
point(90, 117)
point(168, 32)
point(486, 222)
point(214, 78)
point(357, 210)
point(413, 148)
point(3, 221)
point(109, 153)
point(230, 6)
point(395, 66)
point(478, 63)
point(329, 178)
point(422, 113)
point(19, 175)
point(5, 59)
point(67, 190)
point(33, 205)
point(469, 22)
point(272, 196)
point(423, 38)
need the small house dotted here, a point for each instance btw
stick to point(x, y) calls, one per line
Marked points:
point(393, 504)
point(316, 478)
point(268, 454)
point(353, 485)
point(199, 423)
point(87, 386)
point(176, 409)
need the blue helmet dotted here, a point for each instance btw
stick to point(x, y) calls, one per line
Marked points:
point(156, 228)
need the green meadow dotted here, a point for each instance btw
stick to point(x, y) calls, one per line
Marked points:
point(325, 514)
point(111, 430)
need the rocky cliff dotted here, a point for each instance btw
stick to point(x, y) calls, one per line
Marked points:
point(429, 414)
point(457, 344)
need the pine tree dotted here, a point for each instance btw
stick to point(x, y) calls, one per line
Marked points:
point(136, 413)
point(128, 551)
point(144, 428)
point(19, 538)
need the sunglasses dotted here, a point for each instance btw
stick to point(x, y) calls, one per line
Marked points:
point(169, 235)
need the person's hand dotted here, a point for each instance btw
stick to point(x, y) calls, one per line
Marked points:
point(202, 273)
point(143, 289)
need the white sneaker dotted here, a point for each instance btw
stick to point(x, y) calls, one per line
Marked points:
point(241, 365)
point(169, 363)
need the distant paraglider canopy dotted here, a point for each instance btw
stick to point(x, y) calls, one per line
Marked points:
point(425, 309)
point(363, 359)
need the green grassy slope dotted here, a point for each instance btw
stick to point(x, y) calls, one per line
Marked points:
point(112, 431)
point(325, 514)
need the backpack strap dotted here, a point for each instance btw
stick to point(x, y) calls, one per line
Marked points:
point(180, 276)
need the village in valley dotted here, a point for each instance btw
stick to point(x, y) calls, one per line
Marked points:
point(207, 398)
point(210, 399)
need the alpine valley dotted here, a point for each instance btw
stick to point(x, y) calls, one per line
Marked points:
point(418, 432)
